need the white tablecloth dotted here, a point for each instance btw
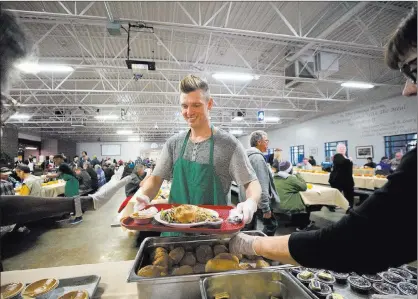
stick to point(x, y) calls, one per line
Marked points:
point(53, 190)
point(321, 195)
point(359, 181)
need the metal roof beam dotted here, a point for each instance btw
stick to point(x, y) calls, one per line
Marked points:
point(176, 94)
point(348, 15)
point(48, 17)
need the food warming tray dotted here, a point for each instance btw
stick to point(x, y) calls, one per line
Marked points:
point(182, 286)
point(278, 283)
point(223, 211)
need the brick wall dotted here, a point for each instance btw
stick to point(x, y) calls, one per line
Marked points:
point(9, 141)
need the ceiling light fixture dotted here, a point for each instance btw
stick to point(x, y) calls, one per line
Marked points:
point(236, 132)
point(34, 68)
point(134, 139)
point(271, 119)
point(20, 116)
point(238, 118)
point(235, 76)
point(31, 148)
point(104, 117)
point(124, 132)
point(359, 85)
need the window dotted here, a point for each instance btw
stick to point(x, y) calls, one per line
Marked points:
point(331, 148)
point(297, 153)
point(399, 143)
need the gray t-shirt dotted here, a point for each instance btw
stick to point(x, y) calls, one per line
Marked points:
point(229, 157)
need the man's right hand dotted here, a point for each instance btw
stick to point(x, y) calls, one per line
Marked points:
point(142, 202)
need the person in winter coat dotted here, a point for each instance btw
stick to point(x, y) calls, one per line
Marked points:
point(269, 197)
point(100, 175)
point(288, 187)
point(341, 176)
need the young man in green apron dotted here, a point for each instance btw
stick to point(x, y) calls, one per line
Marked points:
point(203, 161)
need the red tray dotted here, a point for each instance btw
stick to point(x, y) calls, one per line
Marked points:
point(223, 211)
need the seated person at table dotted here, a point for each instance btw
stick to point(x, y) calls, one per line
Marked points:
point(138, 175)
point(394, 163)
point(288, 187)
point(71, 185)
point(83, 178)
point(384, 167)
point(31, 185)
point(370, 163)
point(312, 161)
point(93, 176)
point(108, 171)
point(100, 175)
point(327, 165)
point(305, 164)
point(6, 187)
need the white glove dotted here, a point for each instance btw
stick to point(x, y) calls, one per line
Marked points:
point(247, 208)
point(242, 244)
point(142, 201)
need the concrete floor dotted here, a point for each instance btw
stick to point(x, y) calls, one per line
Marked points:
point(91, 241)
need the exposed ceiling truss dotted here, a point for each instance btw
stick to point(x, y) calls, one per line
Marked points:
point(202, 38)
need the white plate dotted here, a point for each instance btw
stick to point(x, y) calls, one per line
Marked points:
point(157, 217)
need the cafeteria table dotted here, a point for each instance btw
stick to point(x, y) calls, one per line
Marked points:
point(322, 195)
point(362, 182)
point(53, 190)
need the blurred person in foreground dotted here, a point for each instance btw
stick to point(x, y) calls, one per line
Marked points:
point(269, 197)
point(364, 240)
point(202, 161)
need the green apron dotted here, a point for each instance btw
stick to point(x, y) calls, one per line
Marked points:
point(195, 183)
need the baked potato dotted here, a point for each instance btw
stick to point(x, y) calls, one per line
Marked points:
point(188, 259)
point(220, 265)
point(177, 254)
point(261, 264)
point(204, 253)
point(199, 268)
point(217, 249)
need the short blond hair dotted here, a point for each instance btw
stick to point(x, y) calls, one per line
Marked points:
point(192, 83)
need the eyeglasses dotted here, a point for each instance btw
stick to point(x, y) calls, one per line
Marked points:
point(409, 69)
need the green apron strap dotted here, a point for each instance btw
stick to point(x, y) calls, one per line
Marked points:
point(184, 144)
point(211, 147)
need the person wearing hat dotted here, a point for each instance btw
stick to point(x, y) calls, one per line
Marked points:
point(288, 187)
point(95, 161)
point(31, 185)
point(6, 187)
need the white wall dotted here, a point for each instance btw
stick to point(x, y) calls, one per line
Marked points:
point(129, 150)
point(366, 125)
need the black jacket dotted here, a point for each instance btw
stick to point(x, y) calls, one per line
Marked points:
point(380, 233)
point(93, 176)
point(370, 164)
point(108, 173)
point(341, 175)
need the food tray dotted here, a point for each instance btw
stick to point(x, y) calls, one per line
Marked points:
point(223, 211)
point(182, 286)
point(285, 287)
point(88, 283)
